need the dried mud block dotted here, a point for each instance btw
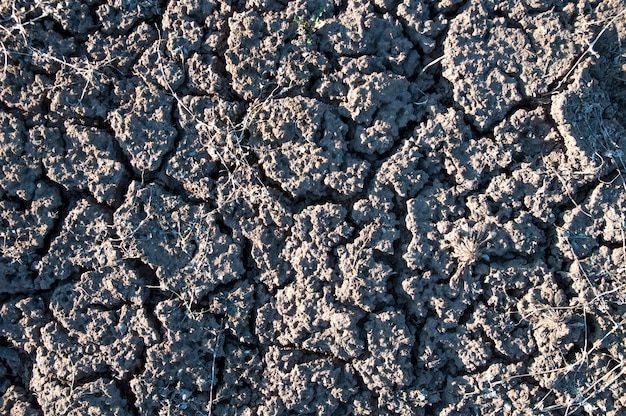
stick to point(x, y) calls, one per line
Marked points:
point(436, 350)
point(239, 388)
point(84, 242)
point(122, 51)
point(364, 280)
point(144, 127)
point(349, 32)
point(15, 402)
point(296, 383)
point(510, 336)
point(81, 90)
point(316, 231)
point(400, 171)
point(116, 18)
point(334, 85)
point(378, 205)
point(115, 292)
point(303, 144)
point(304, 311)
point(497, 390)
point(20, 324)
point(593, 144)
point(420, 27)
point(359, 31)
point(275, 54)
point(449, 147)
point(182, 242)
point(84, 159)
point(237, 305)
point(209, 139)
point(525, 132)
point(525, 190)
point(100, 397)
point(381, 105)
point(22, 88)
point(74, 18)
point(102, 342)
point(410, 401)
point(267, 233)
point(556, 328)
point(493, 66)
point(303, 306)
point(251, 72)
point(552, 42)
point(599, 220)
point(184, 24)
point(534, 184)
point(472, 160)
point(417, 288)
point(387, 364)
point(178, 372)
point(424, 251)
point(19, 171)
point(59, 363)
point(158, 70)
point(204, 74)
point(99, 327)
point(481, 86)
point(473, 352)
point(350, 180)
point(24, 230)
point(520, 236)
point(305, 315)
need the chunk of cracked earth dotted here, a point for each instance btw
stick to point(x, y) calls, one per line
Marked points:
point(302, 146)
point(249, 31)
point(85, 160)
point(99, 324)
point(304, 314)
point(388, 362)
point(400, 171)
point(599, 218)
point(364, 279)
point(181, 361)
point(381, 105)
point(24, 236)
point(593, 144)
point(144, 126)
point(416, 16)
point(83, 243)
point(493, 65)
point(300, 385)
point(182, 242)
point(102, 396)
point(19, 171)
point(317, 230)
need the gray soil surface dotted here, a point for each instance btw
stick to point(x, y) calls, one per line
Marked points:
point(276, 207)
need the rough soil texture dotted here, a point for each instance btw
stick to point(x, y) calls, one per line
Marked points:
point(312, 207)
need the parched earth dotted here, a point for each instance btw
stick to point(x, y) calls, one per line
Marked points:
point(312, 207)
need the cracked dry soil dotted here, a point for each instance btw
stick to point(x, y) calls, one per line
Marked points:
point(312, 207)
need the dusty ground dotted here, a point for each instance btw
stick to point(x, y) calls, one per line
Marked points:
point(308, 207)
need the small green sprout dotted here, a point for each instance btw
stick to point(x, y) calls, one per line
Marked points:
point(311, 25)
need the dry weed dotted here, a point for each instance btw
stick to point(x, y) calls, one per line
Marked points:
point(590, 49)
point(467, 248)
point(576, 375)
point(15, 21)
point(225, 140)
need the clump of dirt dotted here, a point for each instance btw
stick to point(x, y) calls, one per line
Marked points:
point(312, 207)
